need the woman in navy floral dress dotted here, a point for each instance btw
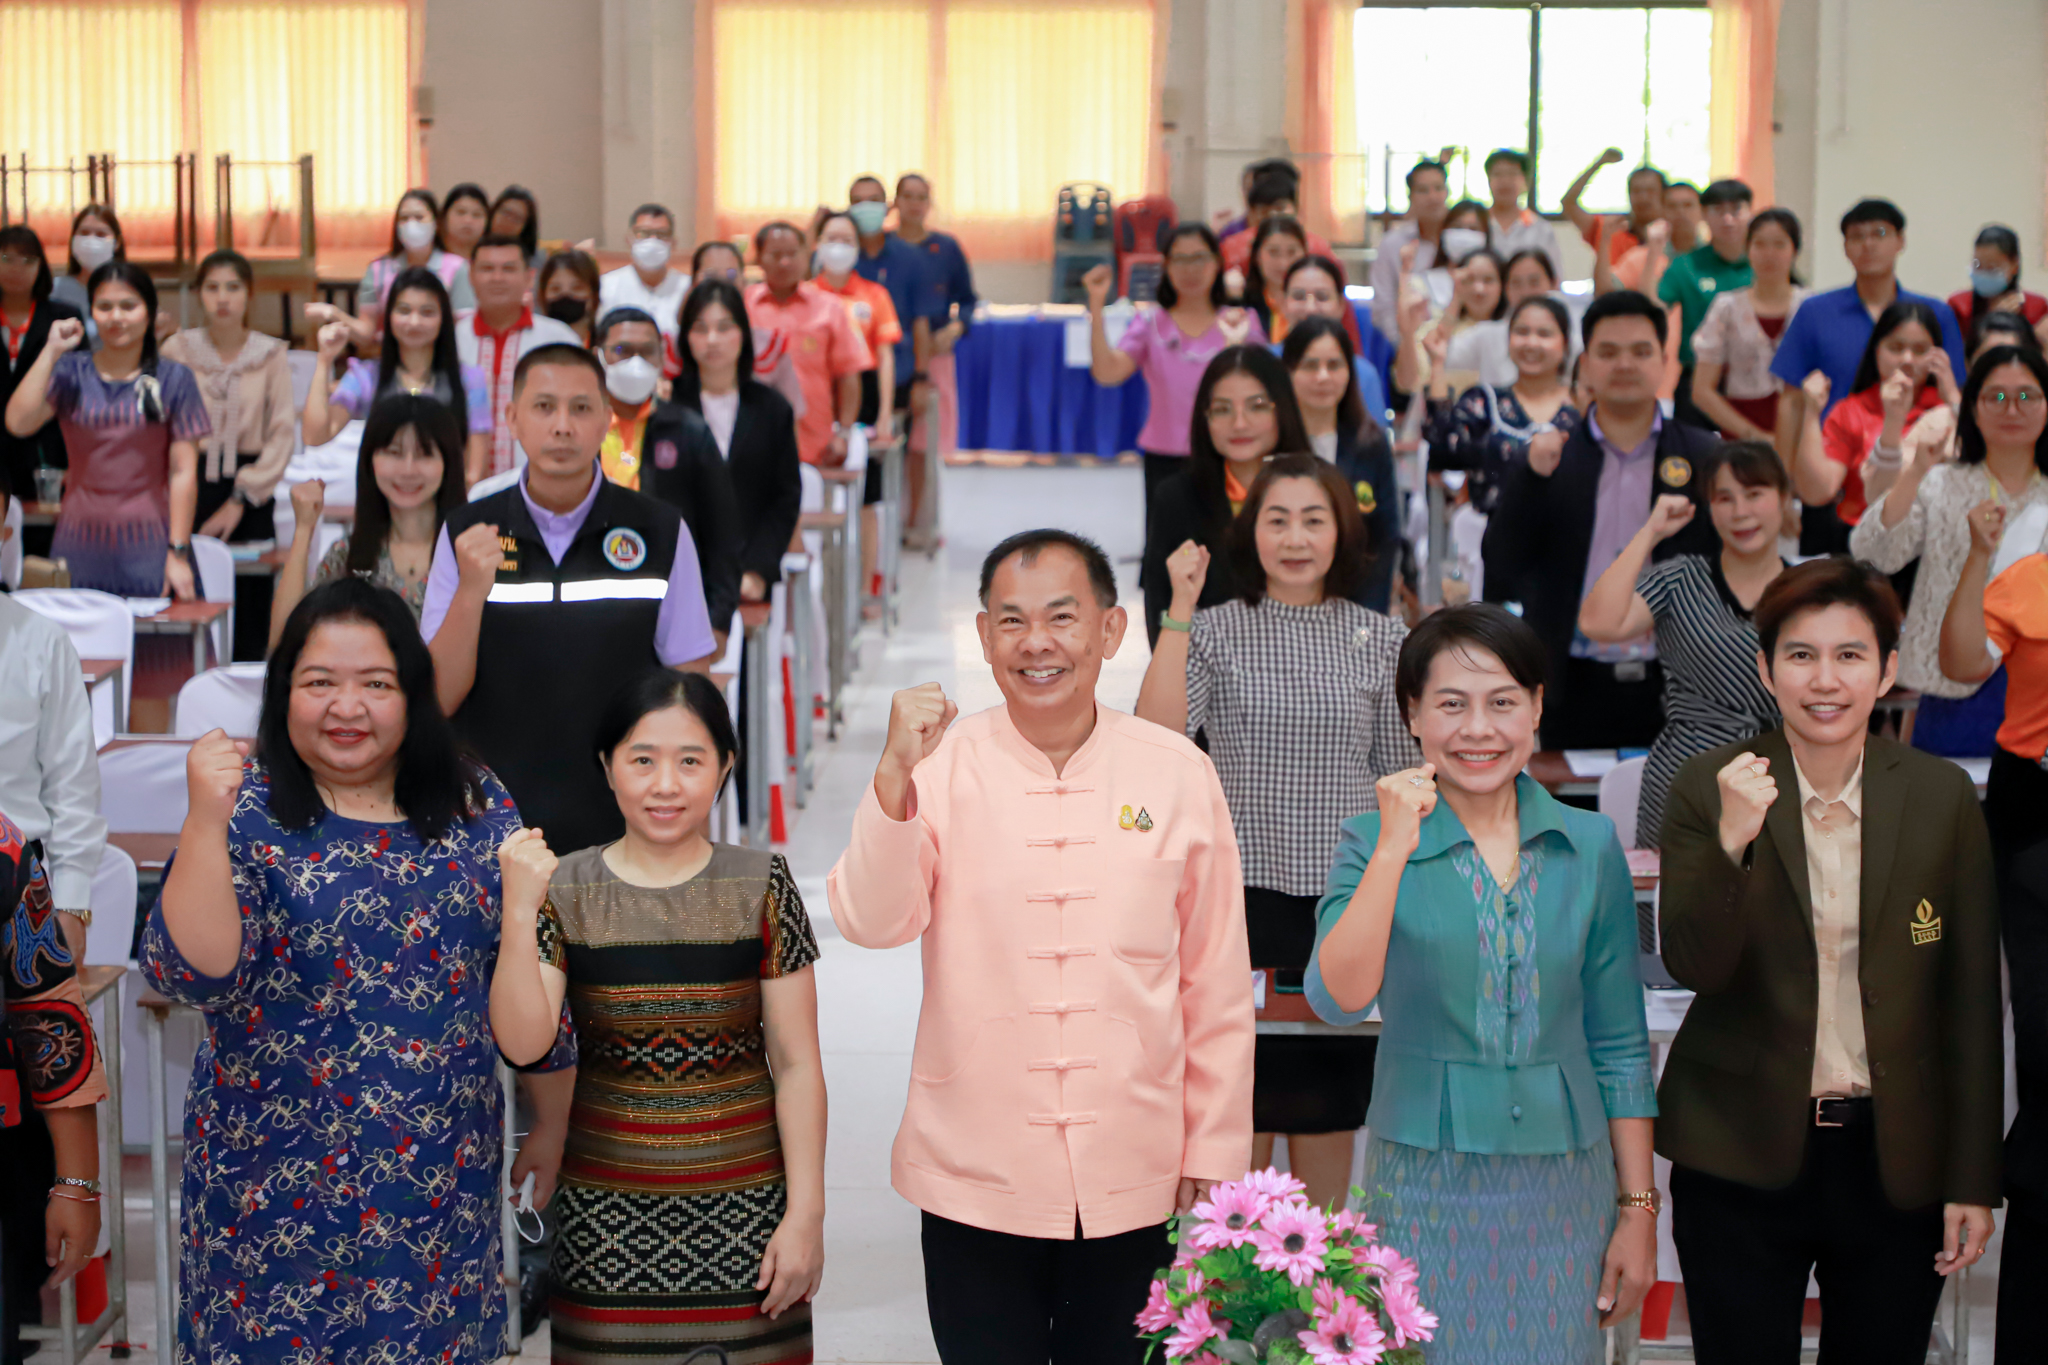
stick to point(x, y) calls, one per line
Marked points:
point(333, 910)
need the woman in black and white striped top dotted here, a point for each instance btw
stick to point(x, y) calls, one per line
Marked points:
point(1700, 607)
point(1294, 684)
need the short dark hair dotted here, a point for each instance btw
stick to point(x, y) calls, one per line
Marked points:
point(1622, 303)
point(1424, 165)
point(555, 353)
point(907, 177)
point(1499, 154)
point(1785, 220)
point(1474, 625)
point(1531, 253)
point(1836, 580)
point(467, 190)
point(1271, 187)
point(1647, 169)
point(1726, 192)
point(2010, 329)
point(1970, 448)
point(1166, 294)
point(702, 295)
point(860, 180)
point(1272, 163)
point(499, 239)
point(1686, 185)
point(581, 264)
point(225, 259)
point(437, 784)
point(529, 232)
point(618, 317)
point(21, 237)
point(1755, 464)
point(774, 225)
point(1027, 544)
point(438, 430)
point(716, 244)
point(1241, 541)
point(1873, 211)
point(652, 211)
point(657, 689)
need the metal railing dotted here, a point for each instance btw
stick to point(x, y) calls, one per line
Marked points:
point(107, 180)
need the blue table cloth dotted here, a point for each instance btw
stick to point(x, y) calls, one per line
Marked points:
point(1017, 392)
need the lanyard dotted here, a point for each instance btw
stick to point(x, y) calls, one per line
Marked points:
point(16, 336)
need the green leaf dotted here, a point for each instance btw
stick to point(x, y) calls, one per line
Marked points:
point(1305, 1298)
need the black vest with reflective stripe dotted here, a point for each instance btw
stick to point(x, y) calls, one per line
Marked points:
point(557, 640)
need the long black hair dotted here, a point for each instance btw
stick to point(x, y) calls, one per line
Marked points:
point(425, 196)
point(121, 271)
point(437, 783)
point(1896, 315)
point(657, 689)
point(1167, 295)
point(529, 235)
point(1255, 282)
point(1352, 418)
point(447, 364)
point(1205, 462)
point(437, 430)
point(1500, 270)
point(1970, 448)
point(21, 237)
point(467, 190)
point(702, 295)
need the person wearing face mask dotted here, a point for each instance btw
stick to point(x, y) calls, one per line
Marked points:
point(1479, 297)
point(665, 449)
point(804, 339)
point(28, 309)
point(500, 329)
point(650, 283)
point(415, 242)
point(873, 314)
point(1995, 284)
point(900, 268)
point(567, 290)
point(95, 240)
point(1293, 684)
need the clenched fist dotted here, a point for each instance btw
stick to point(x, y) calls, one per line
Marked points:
point(1187, 569)
point(1405, 798)
point(309, 497)
point(66, 334)
point(1546, 451)
point(1747, 791)
point(213, 778)
point(1099, 280)
point(1671, 515)
point(526, 865)
point(477, 556)
point(918, 717)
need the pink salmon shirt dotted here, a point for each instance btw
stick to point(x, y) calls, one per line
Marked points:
point(1086, 1035)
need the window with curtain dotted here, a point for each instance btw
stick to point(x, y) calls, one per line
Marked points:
point(998, 103)
point(260, 80)
point(1568, 80)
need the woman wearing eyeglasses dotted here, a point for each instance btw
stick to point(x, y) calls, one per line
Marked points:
point(2001, 449)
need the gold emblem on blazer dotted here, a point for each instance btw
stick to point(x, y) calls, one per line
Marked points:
point(1144, 821)
point(1127, 820)
point(1926, 926)
point(1676, 471)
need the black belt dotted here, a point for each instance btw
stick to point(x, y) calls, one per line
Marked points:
point(1841, 1111)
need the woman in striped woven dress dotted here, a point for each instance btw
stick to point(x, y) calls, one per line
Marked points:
point(1699, 607)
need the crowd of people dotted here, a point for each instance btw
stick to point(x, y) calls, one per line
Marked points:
point(1710, 516)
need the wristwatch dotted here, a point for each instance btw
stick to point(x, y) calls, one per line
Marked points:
point(183, 552)
point(1651, 1200)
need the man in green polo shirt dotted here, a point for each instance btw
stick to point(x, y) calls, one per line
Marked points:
point(1696, 279)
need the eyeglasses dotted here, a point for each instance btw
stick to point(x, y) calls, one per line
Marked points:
point(18, 260)
point(1224, 411)
point(2010, 400)
point(1867, 232)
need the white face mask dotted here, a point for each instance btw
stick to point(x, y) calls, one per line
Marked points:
point(92, 252)
point(651, 253)
point(837, 258)
point(1458, 243)
point(631, 380)
point(416, 234)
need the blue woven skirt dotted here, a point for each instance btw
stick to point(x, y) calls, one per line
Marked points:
point(1510, 1247)
point(125, 558)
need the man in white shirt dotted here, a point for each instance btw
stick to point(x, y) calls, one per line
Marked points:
point(1516, 228)
point(1429, 198)
point(648, 284)
point(49, 764)
point(500, 329)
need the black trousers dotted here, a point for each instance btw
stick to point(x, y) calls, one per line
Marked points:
point(1000, 1299)
point(1599, 711)
point(1745, 1254)
point(2022, 1274)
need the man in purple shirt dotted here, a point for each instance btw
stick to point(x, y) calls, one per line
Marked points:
point(543, 595)
point(1565, 514)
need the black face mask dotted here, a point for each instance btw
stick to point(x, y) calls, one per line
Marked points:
point(568, 309)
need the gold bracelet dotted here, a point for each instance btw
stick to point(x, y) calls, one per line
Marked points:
point(82, 915)
point(1650, 1201)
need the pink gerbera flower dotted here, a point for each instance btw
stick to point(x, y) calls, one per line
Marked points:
point(1410, 1320)
point(1389, 1265)
point(1351, 1227)
point(1349, 1334)
point(1293, 1238)
point(1194, 1328)
point(1227, 1216)
point(1158, 1313)
point(1275, 1185)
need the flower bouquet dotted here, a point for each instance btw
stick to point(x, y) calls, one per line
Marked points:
point(1263, 1276)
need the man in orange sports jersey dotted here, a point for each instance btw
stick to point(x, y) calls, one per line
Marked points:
point(793, 318)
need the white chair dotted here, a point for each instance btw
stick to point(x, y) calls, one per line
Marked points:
point(496, 483)
point(112, 931)
point(227, 698)
point(107, 942)
point(1621, 791)
point(101, 627)
point(10, 546)
point(142, 787)
point(213, 564)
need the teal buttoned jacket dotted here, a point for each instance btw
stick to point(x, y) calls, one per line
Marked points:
point(1511, 1022)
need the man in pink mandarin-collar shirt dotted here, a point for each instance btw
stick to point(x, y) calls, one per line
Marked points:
point(1084, 1053)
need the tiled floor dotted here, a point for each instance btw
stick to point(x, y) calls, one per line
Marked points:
point(871, 1309)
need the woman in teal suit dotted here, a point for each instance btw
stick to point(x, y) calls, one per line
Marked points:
point(1496, 929)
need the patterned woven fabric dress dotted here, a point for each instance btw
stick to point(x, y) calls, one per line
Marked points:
point(672, 1179)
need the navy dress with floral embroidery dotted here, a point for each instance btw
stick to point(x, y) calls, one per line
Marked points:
point(344, 1128)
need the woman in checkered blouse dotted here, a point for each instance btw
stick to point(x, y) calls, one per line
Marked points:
point(1293, 684)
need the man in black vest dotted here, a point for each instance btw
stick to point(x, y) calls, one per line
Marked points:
point(544, 595)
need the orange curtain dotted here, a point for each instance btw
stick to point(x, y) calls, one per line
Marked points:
point(1745, 69)
point(1322, 123)
point(1046, 93)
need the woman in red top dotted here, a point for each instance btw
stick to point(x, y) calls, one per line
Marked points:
point(1904, 374)
point(1995, 284)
